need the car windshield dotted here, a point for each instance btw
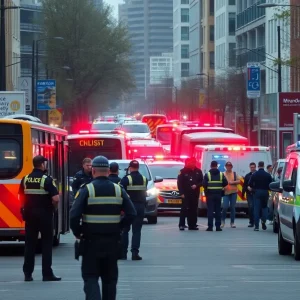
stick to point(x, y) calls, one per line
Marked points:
point(104, 126)
point(166, 171)
point(136, 128)
point(143, 170)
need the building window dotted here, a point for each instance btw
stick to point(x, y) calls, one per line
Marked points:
point(184, 1)
point(212, 59)
point(184, 51)
point(231, 2)
point(211, 33)
point(232, 54)
point(211, 7)
point(231, 24)
point(185, 69)
point(184, 15)
point(185, 33)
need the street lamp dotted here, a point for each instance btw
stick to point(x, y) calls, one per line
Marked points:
point(208, 100)
point(3, 45)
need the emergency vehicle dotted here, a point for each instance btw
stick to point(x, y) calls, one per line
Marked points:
point(153, 120)
point(239, 155)
point(180, 131)
point(144, 148)
point(189, 141)
point(288, 212)
point(164, 135)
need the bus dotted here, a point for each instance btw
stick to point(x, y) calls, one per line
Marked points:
point(21, 139)
point(189, 141)
point(180, 131)
point(84, 144)
point(153, 120)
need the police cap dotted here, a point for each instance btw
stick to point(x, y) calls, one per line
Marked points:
point(38, 160)
point(213, 164)
point(114, 167)
point(134, 164)
point(100, 162)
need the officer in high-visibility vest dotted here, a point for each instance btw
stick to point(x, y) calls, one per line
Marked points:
point(135, 185)
point(98, 205)
point(39, 198)
point(214, 183)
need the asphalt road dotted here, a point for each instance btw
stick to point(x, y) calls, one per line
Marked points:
point(233, 264)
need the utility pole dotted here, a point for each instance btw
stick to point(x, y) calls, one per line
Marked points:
point(279, 60)
point(2, 49)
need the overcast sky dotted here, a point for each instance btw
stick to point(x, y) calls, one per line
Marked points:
point(114, 3)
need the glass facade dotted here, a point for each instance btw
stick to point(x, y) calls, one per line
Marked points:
point(257, 54)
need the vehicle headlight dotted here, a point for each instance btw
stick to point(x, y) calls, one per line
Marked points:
point(152, 192)
point(70, 188)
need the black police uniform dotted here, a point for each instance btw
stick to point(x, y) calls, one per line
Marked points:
point(135, 185)
point(38, 190)
point(214, 182)
point(186, 179)
point(79, 179)
point(250, 198)
point(114, 178)
point(99, 205)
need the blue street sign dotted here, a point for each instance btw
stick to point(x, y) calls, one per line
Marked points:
point(253, 80)
point(46, 94)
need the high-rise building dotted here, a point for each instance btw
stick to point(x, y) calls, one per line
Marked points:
point(12, 40)
point(149, 25)
point(202, 52)
point(98, 3)
point(161, 68)
point(225, 43)
point(181, 61)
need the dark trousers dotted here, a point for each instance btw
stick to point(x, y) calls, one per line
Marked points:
point(189, 209)
point(136, 230)
point(38, 222)
point(261, 198)
point(214, 206)
point(100, 261)
point(250, 200)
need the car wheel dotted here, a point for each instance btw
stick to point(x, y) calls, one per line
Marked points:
point(275, 224)
point(152, 219)
point(284, 248)
point(296, 245)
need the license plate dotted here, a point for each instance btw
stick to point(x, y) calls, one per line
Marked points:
point(174, 201)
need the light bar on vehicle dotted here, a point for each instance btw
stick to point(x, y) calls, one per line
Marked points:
point(84, 131)
point(293, 148)
point(165, 157)
point(236, 148)
point(100, 131)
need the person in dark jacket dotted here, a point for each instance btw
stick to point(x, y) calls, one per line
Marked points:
point(114, 172)
point(259, 184)
point(82, 176)
point(189, 182)
point(249, 194)
point(214, 183)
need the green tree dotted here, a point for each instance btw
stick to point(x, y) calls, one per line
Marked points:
point(96, 49)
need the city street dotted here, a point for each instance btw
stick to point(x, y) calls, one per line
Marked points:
point(233, 264)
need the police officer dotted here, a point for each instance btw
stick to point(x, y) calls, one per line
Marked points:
point(135, 185)
point(82, 176)
point(214, 183)
point(39, 198)
point(259, 184)
point(99, 204)
point(114, 172)
point(189, 182)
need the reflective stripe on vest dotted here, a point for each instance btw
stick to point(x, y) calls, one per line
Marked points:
point(215, 184)
point(101, 219)
point(40, 191)
point(135, 187)
point(93, 200)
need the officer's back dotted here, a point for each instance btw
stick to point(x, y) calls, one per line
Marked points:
point(261, 179)
point(114, 173)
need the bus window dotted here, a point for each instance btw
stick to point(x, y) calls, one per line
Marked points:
point(10, 158)
point(164, 135)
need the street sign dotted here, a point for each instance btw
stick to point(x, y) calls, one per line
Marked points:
point(46, 94)
point(253, 80)
point(55, 117)
point(12, 103)
point(24, 85)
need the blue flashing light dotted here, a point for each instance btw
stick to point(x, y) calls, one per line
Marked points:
point(220, 156)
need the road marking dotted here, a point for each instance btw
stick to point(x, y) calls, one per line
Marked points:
point(272, 281)
point(243, 267)
point(186, 288)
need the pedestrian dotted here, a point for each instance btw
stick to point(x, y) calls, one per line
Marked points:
point(269, 169)
point(82, 176)
point(39, 199)
point(189, 182)
point(214, 183)
point(114, 173)
point(98, 206)
point(249, 194)
point(259, 184)
point(230, 194)
point(135, 184)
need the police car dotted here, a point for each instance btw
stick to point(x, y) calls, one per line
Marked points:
point(288, 189)
point(152, 192)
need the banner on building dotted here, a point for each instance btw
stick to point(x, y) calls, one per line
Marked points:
point(12, 103)
point(289, 103)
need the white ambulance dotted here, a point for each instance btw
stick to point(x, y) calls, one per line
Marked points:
point(239, 156)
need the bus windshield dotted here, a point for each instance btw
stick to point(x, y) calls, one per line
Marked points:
point(92, 147)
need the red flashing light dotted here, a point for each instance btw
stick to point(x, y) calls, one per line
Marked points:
point(206, 124)
point(22, 231)
point(183, 157)
point(84, 131)
point(135, 150)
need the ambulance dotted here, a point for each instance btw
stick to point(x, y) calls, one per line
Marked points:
point(143, 148)
point(239, 155)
